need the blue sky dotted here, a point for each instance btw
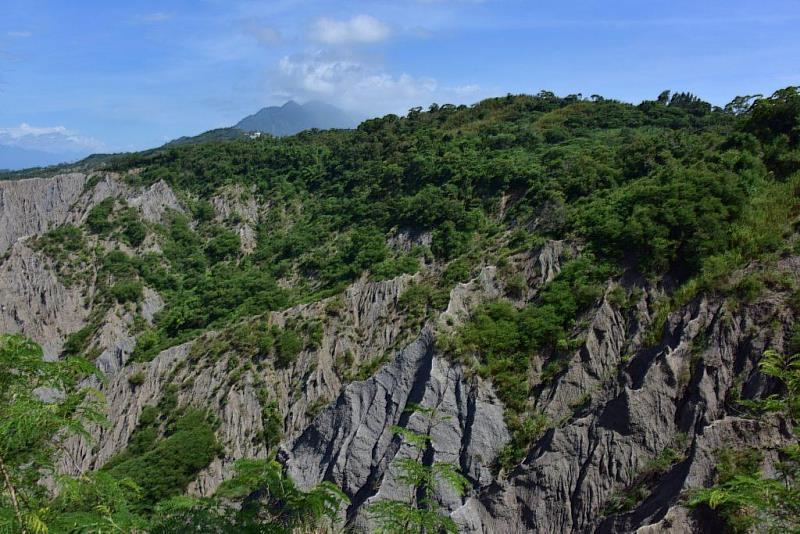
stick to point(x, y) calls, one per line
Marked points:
point(112, 75)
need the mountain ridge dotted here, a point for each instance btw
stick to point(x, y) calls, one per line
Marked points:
point(13, 158)
point(291, 118)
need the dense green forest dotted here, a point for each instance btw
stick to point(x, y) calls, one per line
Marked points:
point(673, 190)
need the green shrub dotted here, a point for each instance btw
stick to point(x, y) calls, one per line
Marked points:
point(449, 242)
point(288, 345)
point(421, 299)
point(164, 467)
point(60, 242)
point(457, 271)
point(344, 361)
point(118, 264)
point(98, 218)
point(648, 476)
point(618, 297)
point(127, 291)
point(77, 341)
point(524, 433)
point(136, 379)
point(553, 368)
point(224, 245)
point(314, 332)
point(272, 423)
point(147, 345)
point(793, 346)
point(203, 211)
point(133, 230)
point(152, 268)
point(749, 288)
point(369, 367)
point(394, 267)
point(516, 286)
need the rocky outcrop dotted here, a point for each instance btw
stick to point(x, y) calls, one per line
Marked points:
point(115, 339)
point(33, 206)
point(33, 300)
point(238, 205)
point(353, 442)
point(154, 201)
point(405, 240)
point(124, 403)
point(629, 390)
point(364, 323)
point(673, 392)
point(619, 404)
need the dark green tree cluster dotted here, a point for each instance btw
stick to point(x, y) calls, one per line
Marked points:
point(671, 186)
point(162, 466)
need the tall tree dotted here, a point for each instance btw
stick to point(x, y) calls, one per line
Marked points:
point(41, 404)
point(420, 512)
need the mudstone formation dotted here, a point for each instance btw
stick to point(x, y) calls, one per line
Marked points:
point(620, 402)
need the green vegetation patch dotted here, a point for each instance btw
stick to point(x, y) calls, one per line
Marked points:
point(742, 495)
point(163, 465)
point(500, 341)
point(672, 186)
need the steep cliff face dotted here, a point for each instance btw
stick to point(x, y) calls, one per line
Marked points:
point(35, 302)
point(676, 393)
point(630, 390)
point(365, 325)
point(29, 207)
point(619, 405)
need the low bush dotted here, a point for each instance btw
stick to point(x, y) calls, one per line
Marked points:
point(127, 291)
point(164, 467)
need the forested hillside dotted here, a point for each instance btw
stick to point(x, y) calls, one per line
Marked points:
point(535, 313)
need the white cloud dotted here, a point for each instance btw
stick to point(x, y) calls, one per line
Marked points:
point(24, 129)
point(54, 139)
point(155, 18)
point(359, 29)
point(20, 34)
point(361, 87)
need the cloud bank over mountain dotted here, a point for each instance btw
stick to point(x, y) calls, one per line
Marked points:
point(28, 146)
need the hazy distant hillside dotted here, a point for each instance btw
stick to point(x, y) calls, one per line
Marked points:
point(292, 117)
point(220, 134)
point(13, 158)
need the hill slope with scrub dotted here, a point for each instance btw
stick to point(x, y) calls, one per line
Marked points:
point(536, 313)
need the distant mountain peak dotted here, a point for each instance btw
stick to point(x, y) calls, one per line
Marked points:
point(292, 117)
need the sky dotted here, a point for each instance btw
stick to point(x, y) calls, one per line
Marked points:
point(106, 76)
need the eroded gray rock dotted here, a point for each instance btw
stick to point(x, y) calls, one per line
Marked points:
point(616, 407)
point(33, 301)
point(33, 206)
